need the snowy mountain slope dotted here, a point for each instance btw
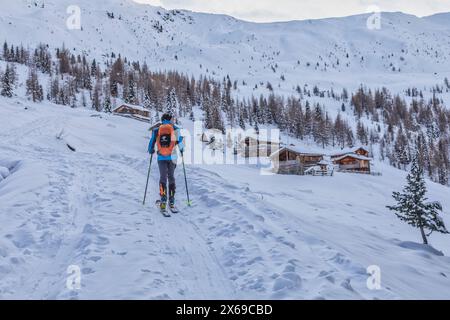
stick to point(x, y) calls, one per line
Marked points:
point(338, 52)
point(247, 235)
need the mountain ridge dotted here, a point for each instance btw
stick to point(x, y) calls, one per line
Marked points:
point(307, 51)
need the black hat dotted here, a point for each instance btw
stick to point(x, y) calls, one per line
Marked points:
point(166, 117)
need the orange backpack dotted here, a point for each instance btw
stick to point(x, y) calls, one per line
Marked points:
point(166, 139)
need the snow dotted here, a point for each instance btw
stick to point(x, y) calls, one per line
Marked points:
point(247, 236)
point(347, 151)
point(354, 156)
point(4, 173)
point(72, 180)
point(420, 247)
point(301, 150)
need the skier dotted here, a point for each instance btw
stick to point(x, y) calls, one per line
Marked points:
point(166, 137)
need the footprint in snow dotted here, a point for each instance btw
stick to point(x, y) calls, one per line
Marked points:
point(288, 280)
point(95, 258)
point(21, 239)
point(102, 241)
point(87, 271)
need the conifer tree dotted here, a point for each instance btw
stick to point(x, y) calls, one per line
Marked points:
point(34, 89)
point(7, 82)
point(171, 103)
point(412, 206)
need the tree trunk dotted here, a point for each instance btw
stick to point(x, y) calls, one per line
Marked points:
point(424, 237)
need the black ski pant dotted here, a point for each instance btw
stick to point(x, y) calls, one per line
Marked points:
point(167, 173)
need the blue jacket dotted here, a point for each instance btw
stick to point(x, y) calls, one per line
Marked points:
point(173, 157)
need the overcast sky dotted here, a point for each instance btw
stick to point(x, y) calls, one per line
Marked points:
point(282, 10)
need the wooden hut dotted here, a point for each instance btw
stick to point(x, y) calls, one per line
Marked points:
point(358, 150)
point(294, 161)
point(132, 111)
point(353, 163)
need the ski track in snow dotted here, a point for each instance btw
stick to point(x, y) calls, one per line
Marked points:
point(270, 273)
point(95, 217)
point(233, 242)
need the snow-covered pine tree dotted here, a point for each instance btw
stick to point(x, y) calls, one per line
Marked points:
point(318, 123)
point(339, 131)
point(327, 131)
point(147, 102)
point(43, 59)
point(107, 105)
point(34, 89)
point(131, 97)
point(96, 97)
point(93, 71)
point(350, 138)
point(213, 114)
point(53, 90)
point(7, 81)
point(241, 120)
point(401, 149)
point(361, 133)
point(412, 207)
point(172, 103)
point(5, 54)
point(442, 162)
point(308, 119)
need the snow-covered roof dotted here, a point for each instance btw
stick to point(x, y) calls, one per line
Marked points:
point(347, 151)
point(354, 156)
point(295, 150)
point(131, 106)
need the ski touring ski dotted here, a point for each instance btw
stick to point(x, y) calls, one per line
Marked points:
point(173, 209)
point(163, 211)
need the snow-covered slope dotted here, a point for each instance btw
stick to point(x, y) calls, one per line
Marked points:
point(246, 236)
point(341, 51)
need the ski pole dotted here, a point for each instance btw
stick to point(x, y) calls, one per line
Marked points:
point(185, 181)
point(148, 178)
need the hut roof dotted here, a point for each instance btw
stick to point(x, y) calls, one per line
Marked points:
point(324, 162)
point(347, 151)
point(135, 107)
point(299, 151)
point(354, 156)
